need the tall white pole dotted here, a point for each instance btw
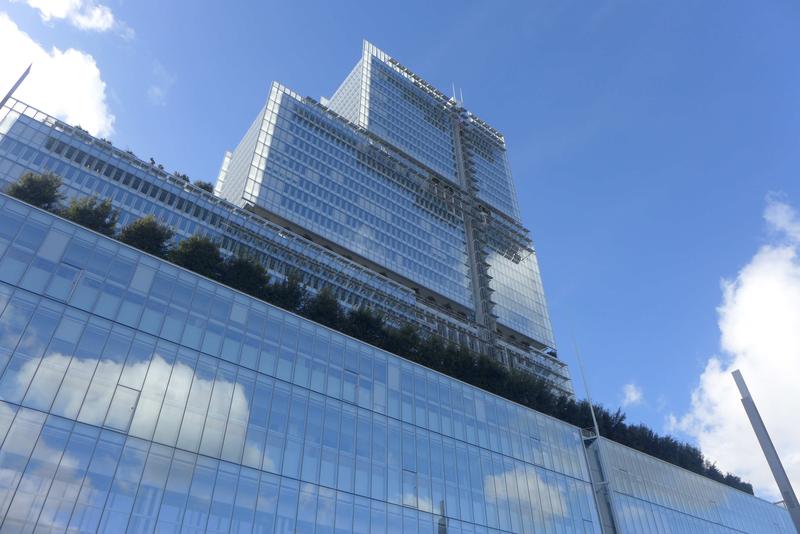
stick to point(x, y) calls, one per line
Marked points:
point(15, 86)
point(586, 387)
point(774, 461)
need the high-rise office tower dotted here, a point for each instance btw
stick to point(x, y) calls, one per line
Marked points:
point(390, 194)
point(397, 177)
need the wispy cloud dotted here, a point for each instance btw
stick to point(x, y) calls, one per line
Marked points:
point(631, 395)
point(782, 218)
point(759, 322)
point(83, 14)
point(163, 81)
point(67, 83)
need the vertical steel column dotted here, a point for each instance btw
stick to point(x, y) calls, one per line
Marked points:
point(475, 256)
point(16, 85)
point(774, 461)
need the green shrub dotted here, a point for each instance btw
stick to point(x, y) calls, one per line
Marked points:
point(364, 325)
point(92, 213)
point(246, 275)
point(206, 186)
point(40, 190)
point(148, 234)
point(289, 294)
point(199, 254)
point(531, 391)
point(323, 308)
point(202, 255)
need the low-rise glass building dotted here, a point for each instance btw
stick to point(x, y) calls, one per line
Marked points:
point(138, 396)
point(649, 496)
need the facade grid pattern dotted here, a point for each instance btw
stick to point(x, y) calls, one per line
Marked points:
point(406, 112)
point(186, 385)
point(318, 175)
point(31, 145)
point(33, 141)
point(407, 118)
point(395, 175)
point(137, 396)
point(490, 170)
point(651, 496)
point(518, 295)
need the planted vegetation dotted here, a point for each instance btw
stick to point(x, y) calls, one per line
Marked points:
point(203, 256)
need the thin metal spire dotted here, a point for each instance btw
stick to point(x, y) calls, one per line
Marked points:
point(586, 386)
point(16, 85)
point(768, 448)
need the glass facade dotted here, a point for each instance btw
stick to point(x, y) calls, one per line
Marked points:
point(394, 172)
point(328, 179)
point(379, 97)
point(519, 303)
point(652, 496)
point(411, 228)
point(410, 119)
point(137, 395)
point(33, 141)
point(403, 110)
point(485, 154)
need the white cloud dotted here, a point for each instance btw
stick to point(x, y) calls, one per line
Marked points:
point(29, 486)
point(37, 385)
point(759, 321)
point(163, 81)
point(83, 14)
point(66, 84)
point(94, 17)
point(631, 395)
point(783, 218)
point(504, 488)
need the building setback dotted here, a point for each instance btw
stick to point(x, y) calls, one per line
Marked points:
point(138, 396)
point(390, 194)
point(400, 178)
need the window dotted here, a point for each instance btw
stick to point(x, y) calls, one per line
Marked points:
point(350, 387)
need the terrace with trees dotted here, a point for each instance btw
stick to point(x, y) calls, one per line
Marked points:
point(203, 256)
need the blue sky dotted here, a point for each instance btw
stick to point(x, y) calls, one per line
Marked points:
point(646, 139)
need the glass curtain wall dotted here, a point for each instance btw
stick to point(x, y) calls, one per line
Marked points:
point(136, 395)
point(651, 496)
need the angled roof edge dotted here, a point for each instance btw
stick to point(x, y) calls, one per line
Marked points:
point(370, 50)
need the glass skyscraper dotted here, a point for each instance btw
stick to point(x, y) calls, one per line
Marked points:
point(418, 221)
point(391, 173)
point(138, 396)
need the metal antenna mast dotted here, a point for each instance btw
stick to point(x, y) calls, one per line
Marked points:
point(16, 85)
point(594, 454)
point(774, 461)
point(586, 387)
